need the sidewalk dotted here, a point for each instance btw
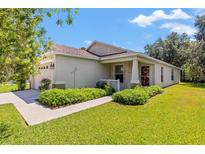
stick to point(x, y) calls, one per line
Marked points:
point(35, 113)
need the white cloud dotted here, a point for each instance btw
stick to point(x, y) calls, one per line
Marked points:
point(179, 28)
point(144, 21)
point(88, 42)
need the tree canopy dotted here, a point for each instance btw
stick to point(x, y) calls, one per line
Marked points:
point(22, 39)
point(183, 52)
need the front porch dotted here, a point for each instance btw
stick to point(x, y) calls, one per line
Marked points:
point(132, 71)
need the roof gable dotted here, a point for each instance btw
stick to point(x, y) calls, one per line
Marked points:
point(101, 49)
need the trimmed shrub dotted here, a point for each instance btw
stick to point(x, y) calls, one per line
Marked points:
point(60, 97)
point(131, 97)
point(137, 95)
point(44, 84)
point(151, 90)
point(101, 84)
point(138, 87)
point(107, 87)
point(154, 90)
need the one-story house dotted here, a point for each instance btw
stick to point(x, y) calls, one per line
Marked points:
point(69, 67)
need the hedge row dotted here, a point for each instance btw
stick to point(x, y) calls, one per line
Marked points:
point(136, 96)
point(60, 97)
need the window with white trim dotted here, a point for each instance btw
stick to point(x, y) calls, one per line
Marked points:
point(119, 73)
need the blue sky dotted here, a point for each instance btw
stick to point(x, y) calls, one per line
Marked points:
point(128, 28)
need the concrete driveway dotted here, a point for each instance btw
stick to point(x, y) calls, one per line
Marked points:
point(28, 96)
point(34, 113)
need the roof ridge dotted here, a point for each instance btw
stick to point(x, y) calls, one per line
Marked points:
point(68, 46)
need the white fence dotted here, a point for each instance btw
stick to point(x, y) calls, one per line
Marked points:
point(114, 83)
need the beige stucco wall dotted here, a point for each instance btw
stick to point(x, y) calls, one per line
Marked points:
point(48, 73)
point(90, 71)
point(167, 75)
point(43, 73)
point(87, 74)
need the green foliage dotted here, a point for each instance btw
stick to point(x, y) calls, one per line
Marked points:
point(44, 84)
point(137, 95)
point(22, 40)
point(101, 84)
point(131, 97)
point(60, 97)
point(180, 51)
point(154, 90)
point(174, 49)
point(200, 25)
point(107, 87)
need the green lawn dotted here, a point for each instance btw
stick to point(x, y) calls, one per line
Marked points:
point(9, 87)
point(175, 117)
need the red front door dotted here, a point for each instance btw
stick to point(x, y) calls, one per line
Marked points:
point(145, 75)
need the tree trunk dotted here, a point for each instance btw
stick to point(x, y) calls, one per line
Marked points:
point(22, 84)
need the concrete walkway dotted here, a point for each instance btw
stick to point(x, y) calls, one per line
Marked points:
point(35, 113)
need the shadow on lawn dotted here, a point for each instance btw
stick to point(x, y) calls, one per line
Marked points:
point(193, 85)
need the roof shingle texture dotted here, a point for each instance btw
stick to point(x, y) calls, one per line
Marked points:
point(72, 51)
point(65, 50)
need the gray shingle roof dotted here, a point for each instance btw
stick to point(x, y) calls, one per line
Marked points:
point(62, 49)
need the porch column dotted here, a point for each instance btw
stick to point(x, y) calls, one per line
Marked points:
point(135, 72)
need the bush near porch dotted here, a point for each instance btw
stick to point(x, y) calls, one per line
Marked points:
point(137, 96)
point(107, 87)
point(60, 97)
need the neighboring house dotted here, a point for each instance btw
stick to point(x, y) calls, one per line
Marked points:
point(69, 67)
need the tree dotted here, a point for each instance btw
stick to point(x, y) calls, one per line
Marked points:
point(200, 25)
point(174, 49)
point(193, 70)
point(23, 39)
point(200, 37)
point(156, 49)
point(180, 51)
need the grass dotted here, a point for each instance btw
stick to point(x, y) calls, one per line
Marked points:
point(10, 87)
point(175, 117)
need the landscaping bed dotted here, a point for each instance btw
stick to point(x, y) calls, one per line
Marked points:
point(59, 97)
point(136, 96)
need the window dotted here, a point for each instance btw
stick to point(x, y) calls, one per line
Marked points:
point(162, 74)
point(119, 71)
point(172, 74)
